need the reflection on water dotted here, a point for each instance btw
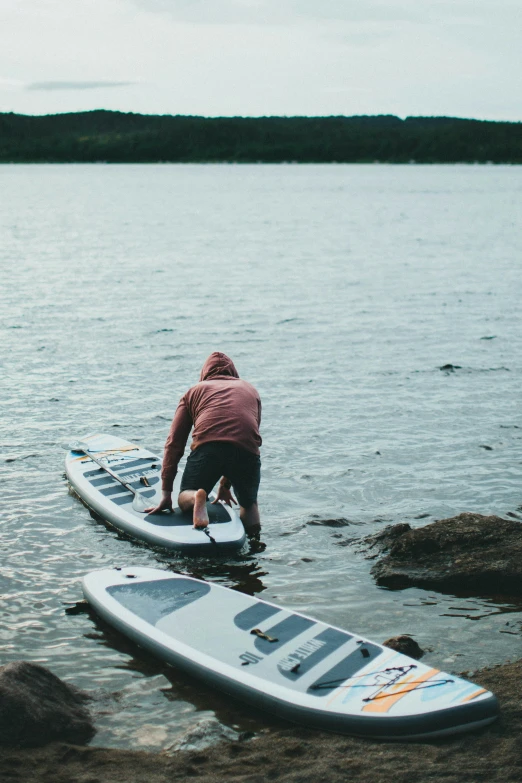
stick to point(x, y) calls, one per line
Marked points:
point(474, 608)
point(340, 292)
point(245, 577)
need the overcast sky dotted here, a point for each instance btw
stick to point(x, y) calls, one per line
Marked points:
point(263, 57)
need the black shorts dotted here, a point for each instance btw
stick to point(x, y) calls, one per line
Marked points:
point(206, 464)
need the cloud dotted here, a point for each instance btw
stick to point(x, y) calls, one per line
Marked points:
point(370, 14)
point(270, 12)
point(259, 57)
point(79, 85)
point(338, 90)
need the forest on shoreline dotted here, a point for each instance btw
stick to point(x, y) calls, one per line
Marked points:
point(116, 137)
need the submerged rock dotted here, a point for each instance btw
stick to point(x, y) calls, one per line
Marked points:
point(341, 522)
point(206, 733)
point(450, 367)
point(36, 707)
point(468, 553)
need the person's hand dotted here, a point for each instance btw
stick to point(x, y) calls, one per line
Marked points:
point(165, 504)
point(225, 495)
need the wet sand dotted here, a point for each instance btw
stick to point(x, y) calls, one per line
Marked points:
point(299, 755)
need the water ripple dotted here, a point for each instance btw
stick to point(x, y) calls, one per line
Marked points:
point(340, 292)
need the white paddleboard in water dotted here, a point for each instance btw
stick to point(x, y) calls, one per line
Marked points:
point(142, 470)
point(284, 662)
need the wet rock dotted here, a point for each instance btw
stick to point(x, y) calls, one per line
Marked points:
point(341, 522)
point(450, 367)
point(345, 541)
point(205, 734)
point(406, 645)
point(80, 607)
point(36, 707)
point(383, 540)
point(470, 553)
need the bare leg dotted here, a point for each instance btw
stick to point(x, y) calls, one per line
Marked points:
point(195, 500)
point(250, 519)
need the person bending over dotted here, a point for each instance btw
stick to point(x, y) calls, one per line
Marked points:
point(225, 412)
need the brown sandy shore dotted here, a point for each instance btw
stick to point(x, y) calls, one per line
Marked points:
point(299, 755)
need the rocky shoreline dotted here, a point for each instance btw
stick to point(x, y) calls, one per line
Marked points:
point(299, 755)
point(471, 553)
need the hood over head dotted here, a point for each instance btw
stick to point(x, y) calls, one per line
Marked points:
point(217, 365)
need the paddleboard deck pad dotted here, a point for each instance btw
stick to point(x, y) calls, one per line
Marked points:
point(284, 662)
point(142, 470)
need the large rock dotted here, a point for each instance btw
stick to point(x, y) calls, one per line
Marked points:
point(469, 553)
point(405, 645)
point(36, 707)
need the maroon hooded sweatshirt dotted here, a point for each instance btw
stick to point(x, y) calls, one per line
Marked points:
point(221, 407)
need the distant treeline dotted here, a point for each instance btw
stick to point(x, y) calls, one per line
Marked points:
point(115, 137)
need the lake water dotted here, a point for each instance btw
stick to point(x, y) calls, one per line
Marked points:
point(340, 292)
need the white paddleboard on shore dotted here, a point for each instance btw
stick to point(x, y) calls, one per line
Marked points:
point(142, 470)
point(284, 662)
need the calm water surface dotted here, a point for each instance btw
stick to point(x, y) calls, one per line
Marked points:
point(340, 292)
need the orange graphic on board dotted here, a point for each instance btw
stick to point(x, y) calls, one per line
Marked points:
point(104, 453)
point(474, 695)
point(384, 703)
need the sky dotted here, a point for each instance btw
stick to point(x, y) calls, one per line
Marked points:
point(458, 58)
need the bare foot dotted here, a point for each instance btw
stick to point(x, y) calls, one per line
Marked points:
point(200, 509)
